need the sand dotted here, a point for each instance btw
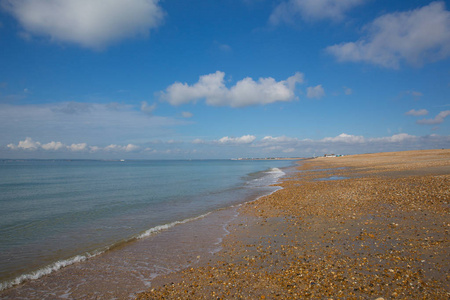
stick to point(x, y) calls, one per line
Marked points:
point(373, 226)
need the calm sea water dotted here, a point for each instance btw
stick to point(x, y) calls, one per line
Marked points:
point(55, 213)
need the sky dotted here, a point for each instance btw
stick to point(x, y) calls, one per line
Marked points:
point(202, 79)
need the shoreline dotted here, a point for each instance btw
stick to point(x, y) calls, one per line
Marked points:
point(129, 267)
point(378, 228)
point(124, 270)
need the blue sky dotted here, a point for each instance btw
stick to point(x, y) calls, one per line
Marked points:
point(221, 79)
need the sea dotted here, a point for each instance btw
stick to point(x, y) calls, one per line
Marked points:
point(97, 229)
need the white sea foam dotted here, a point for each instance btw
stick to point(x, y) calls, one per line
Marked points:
point(276, 172)
point(46, 270)
point(159, 228)
point(270, 177)
point(79, 258)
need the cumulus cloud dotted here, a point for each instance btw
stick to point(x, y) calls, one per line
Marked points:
point(436, 120)
point(312, 10)
point(245, 139)
point(420, 112)
point(77, 147)
point(53, 146)
point(94, 148)
point(245, 92)
point(416, 37)
point(30, 144)
point(316, 92)
point(27, 144)
point(131, 147)
point(88, 23)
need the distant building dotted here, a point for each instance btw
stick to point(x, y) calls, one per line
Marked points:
point(333, 155)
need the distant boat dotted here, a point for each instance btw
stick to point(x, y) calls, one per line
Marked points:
point(122, 160)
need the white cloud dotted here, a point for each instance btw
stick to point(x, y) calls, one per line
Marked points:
point(89, 23)
point(94, 148)
point(245, 92)
point(436, 120)
point(27, 144)
point(344, 138)
point(198, 141)
point(145, 107)
point(316, 92)
point(280, 140)
point(77, 147)
point(30, 144)
point(348, 144)
point(131, 147)
point(245, 139)
point(53, 146)
point(312, 10)
point(276, 139)
point(420, 112)
point(127, 148)
point(111, 147)
point(244, 146)
point(355, 139)
point(396, 138)
point(187, 114)
point(417, 36)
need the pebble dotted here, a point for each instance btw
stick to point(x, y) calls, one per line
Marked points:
point(362, 237)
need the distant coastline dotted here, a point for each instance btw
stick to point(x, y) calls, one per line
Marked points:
point(268, 158)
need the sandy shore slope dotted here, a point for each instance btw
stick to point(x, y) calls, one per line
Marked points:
point(377, 227)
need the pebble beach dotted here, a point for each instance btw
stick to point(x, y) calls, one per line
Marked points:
point(371, 226)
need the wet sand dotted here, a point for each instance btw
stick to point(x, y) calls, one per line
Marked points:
point(357, 227)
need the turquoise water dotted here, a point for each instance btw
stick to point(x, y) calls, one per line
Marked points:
point(54, 213)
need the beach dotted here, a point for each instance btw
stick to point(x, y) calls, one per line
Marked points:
point(371, 226)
